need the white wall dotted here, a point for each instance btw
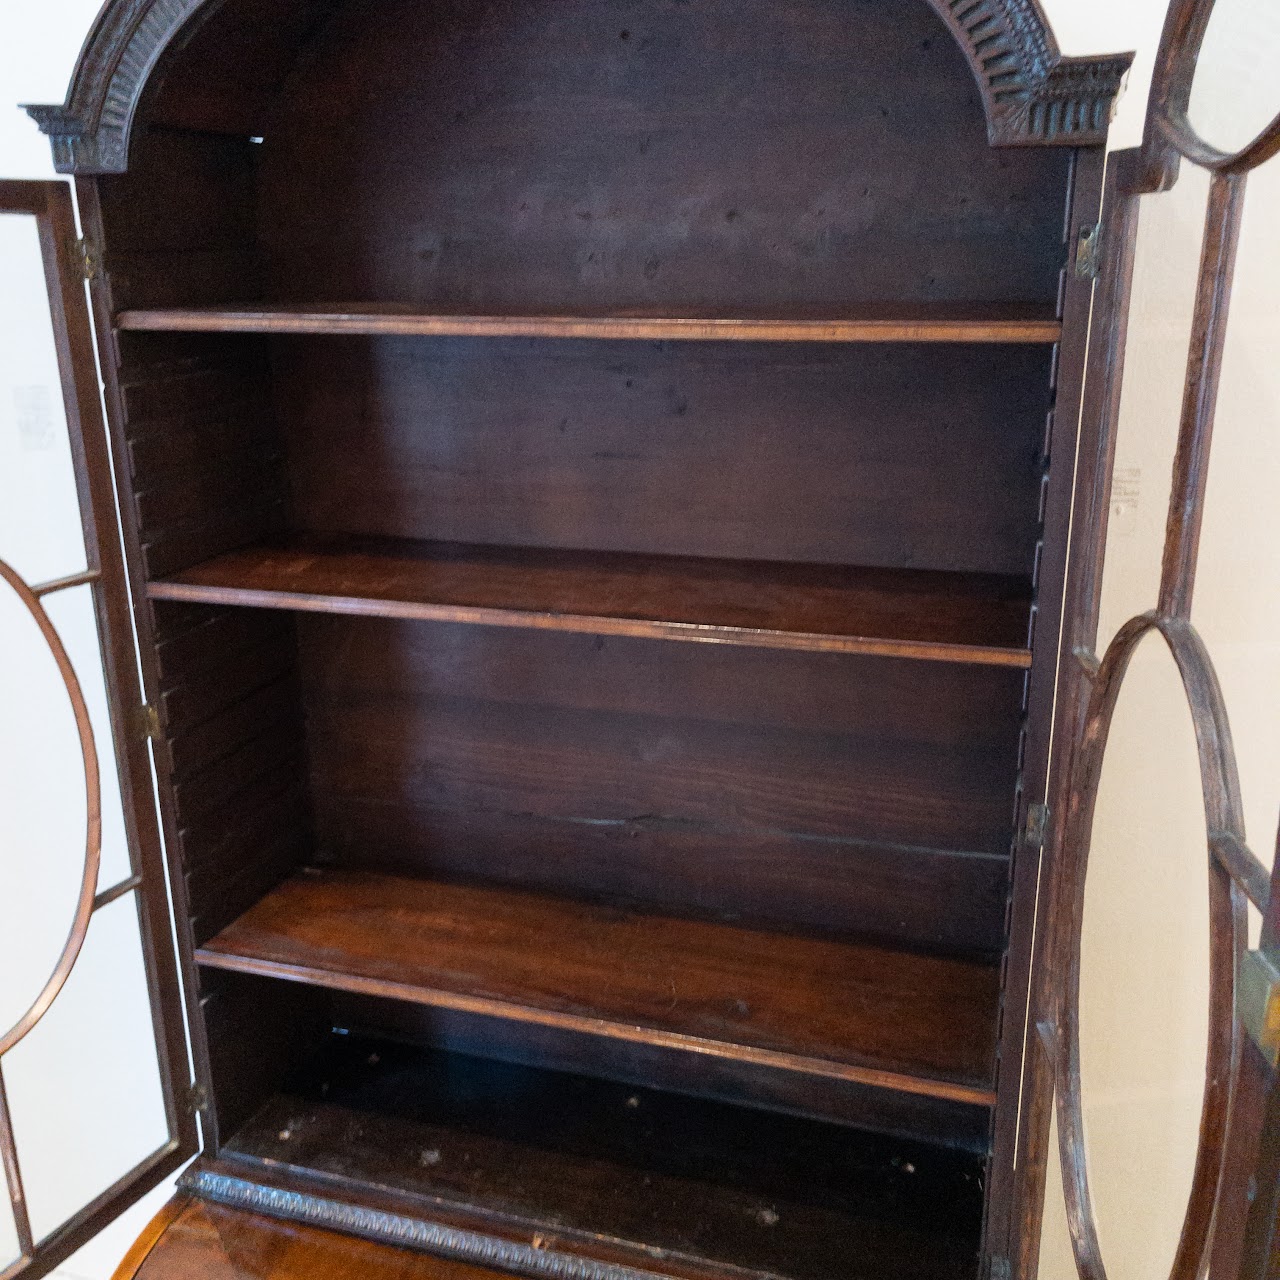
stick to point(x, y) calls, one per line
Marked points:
point(1144, 945)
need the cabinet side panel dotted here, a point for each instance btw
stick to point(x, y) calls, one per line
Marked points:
point(198, 472)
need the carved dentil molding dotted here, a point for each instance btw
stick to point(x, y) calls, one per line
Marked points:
point(1031, 93)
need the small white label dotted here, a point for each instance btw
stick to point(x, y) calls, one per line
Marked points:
point(34, 406)
point(1126, 495)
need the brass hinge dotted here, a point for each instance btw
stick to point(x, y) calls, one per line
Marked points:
point(197, 1099)
point(1258, 1003)
point(1089, 252)
point(1037, 825)
point(86, 255)
point(146, 721)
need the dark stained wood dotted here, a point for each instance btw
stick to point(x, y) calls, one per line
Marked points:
point(126, 387)
point(1091, 504)
point(1010, 1213)
point(609, 166)
point(210, 67)
point(932, 616)
point(1204, 372)
point(181, 223)
point(352, 262)
point(827, 793)
point(706, 867)
point(232, 742)
point(645, 1178)
point(914, 1116)
point(259, 1033)
point(900, 456)
point(193, 391)
point(390, 319)
point(877, 1016)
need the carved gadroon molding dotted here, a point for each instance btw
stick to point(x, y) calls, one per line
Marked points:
point(403, 1231)
point(1031, 93)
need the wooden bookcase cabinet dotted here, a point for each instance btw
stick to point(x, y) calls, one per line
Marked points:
point(595, 482)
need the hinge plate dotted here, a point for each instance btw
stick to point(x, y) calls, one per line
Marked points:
point(1089, 252)
point(147, 721)
point(1037, 825)
point(197, 1099)
point(999, 1268)
point(86, 255)
point(1258, 1003)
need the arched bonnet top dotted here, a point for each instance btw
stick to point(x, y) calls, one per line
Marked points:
point(1032, 95)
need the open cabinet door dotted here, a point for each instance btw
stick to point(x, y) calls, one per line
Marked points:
point(95, 1104)
point(1216, 1216)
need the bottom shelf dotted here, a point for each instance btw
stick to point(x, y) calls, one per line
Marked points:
point(613, 1174)
point(873, 1015)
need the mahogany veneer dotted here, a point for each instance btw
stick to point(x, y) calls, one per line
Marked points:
point(191, 1239)
point(920, 1024)
point(980, 618)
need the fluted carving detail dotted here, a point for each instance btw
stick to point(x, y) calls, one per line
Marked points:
point(1032, 95)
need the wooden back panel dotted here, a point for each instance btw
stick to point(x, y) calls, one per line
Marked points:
point(599, 155)
point(887, 455)
point(813, 791)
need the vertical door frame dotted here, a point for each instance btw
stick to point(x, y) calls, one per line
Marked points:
point(50, 203)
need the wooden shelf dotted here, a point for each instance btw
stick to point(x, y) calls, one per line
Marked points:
point(903, 613)
point(872, 1015)
point(941, 323)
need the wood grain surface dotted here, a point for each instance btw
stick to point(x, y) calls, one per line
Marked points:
point(946, 324)
point(209, 1242)
point(922, 1024)
point(922, 614)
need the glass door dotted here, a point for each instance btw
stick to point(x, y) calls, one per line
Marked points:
point(1161, 973)
point(95, 1102)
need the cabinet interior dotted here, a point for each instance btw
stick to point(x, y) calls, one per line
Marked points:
point(586, 469)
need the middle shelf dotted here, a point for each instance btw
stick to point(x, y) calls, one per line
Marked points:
point(912, 613)
point(858, 1012)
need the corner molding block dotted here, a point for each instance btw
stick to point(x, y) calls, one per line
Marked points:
point(90, 131)
point(1032, 95)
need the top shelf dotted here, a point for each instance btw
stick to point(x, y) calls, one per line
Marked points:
point(1008, 323)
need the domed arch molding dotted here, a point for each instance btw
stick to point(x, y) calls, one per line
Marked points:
point(1031, 93)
